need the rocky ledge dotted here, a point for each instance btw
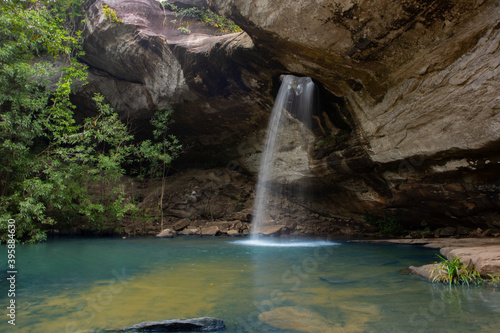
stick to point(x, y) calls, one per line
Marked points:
point(483, 253)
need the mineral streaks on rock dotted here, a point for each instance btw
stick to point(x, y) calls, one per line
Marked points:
point(147, 63)
point(128, 53)
point(416, 132)
point(455, 108)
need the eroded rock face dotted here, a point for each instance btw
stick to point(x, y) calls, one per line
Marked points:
point(146, 63)
point(420, 84)
point(409, 122)
point(420, 78)
point(486, 259)
point(291, 160)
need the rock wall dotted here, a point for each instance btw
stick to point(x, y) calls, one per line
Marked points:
point(146, 63)
point(409, 119)
point(419, 80)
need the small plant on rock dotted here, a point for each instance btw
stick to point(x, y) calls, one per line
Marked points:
point(204, 15)
point(494, 280)
point(111, 14)
point(455, 272)
point(184, 30)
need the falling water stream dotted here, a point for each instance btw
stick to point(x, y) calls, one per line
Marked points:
point(294, 102)
point(91, 285)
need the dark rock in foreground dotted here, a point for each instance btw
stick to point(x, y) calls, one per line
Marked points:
point(203, 324)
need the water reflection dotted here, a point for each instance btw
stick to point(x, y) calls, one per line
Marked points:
point(327, 288)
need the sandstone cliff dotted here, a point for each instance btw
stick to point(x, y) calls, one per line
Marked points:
point(409, 120)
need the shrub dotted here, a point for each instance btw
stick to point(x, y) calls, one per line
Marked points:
point(111, 14)
point(494, 280)
point(455, 272)
point(386, 225)
point(206, 16)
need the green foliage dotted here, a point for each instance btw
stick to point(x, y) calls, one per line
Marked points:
point(455, 272)
point(206, 16)
point(53, 169)
point(184, 30)
point(35, 110)
point(494, 280)
point(111, 14)
point(163, 149)
point(424, 225)
point(386, 225)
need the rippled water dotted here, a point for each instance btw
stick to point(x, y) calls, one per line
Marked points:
point(88, 285)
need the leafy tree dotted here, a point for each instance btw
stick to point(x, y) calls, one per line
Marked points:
point(161, 151)
point(53, 169)
point(35, 109)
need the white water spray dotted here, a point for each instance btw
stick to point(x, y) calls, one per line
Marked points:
point(294, 103)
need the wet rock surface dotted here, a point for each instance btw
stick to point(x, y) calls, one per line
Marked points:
point(220, 202)
point(408, 122)
point(166, 233)
point(203, 324)
point(146, 63)
point(483, 253)
point(486, 259)
point(301, 319)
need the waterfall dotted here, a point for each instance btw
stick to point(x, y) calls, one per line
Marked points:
point(294, 105)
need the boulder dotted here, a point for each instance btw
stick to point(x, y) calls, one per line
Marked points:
point(181, 224)
point(271, 230)
point(203, 324)
point(233, 233)
point(425, 271)
point(237, 225)
point(166, 233)
point(190, 231)
point(222, 225)
point(483, 253)
point(210, 231)
point(448, 231)
point(178, 213)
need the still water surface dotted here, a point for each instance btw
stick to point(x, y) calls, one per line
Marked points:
point(89, 285)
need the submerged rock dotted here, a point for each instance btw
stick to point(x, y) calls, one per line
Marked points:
point(337, 281)
point(203, 324)
point(355, 315)
point(298, 319)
